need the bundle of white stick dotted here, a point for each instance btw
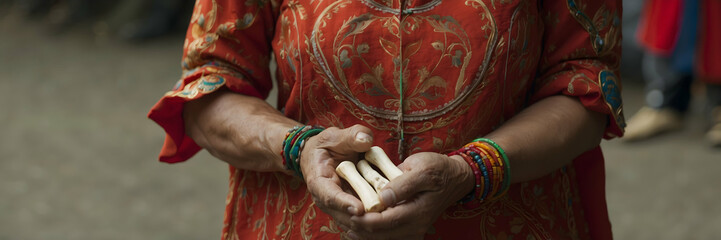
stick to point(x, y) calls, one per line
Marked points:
point(362, 185)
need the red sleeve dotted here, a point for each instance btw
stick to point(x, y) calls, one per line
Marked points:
point(582, 48)
point(227, 45)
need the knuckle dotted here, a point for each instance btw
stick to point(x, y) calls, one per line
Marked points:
point(394, 221)
point(324, 138)
point(327, 202)
point(356, 227)
point(322, 203)
point(357, 128)
point(341, 225)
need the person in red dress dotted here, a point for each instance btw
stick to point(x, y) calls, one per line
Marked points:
point(681, 41)
point(536, 80)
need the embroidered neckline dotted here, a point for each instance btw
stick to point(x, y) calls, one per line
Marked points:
point(380, 7)
point(412, 116)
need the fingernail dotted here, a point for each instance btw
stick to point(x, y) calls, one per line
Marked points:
point(353, 210)
point(363, 137)
point(388, 198)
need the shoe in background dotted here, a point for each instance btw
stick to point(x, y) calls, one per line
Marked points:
point(650, 122)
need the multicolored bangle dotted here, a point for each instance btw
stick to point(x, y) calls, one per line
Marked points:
point(479, 181)
point(490, 167)
point(293, 145)
point(506, 183)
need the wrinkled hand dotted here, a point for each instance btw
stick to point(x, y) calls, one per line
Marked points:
point(320, 156)
point(431, 182)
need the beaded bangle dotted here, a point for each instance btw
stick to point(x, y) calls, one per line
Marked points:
point(497, 163)
point(483, 160)
point(295, 151)
point(287, 146)
point(285, 142)
point(298, 147)
point(479, 162)
point(490, 167)
point(293, 145)
point(492, 164)
point(506, 182)
point(487, 187)
point(480, 173)
point(476, 174)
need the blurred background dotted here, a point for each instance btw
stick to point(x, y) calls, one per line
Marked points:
point(78, 156)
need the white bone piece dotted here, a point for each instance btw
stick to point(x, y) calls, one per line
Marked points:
point(371, 200)
point(378, 157)
point(370, 174)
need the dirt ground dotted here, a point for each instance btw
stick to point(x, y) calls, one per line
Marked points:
point(78, 156)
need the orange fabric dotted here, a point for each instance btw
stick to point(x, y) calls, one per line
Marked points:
point(464, 66)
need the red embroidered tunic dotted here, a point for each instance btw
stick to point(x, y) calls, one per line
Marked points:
point(445, 72)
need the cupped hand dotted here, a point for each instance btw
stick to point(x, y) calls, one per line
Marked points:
point(319, 158)
point(430, 183)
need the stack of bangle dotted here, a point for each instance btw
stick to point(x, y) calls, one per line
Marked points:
point(490, 168)
point(293, 145)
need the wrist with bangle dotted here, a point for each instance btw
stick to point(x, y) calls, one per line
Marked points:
point(293, 144)
point(490, 167)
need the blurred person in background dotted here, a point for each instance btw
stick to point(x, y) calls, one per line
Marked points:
point(681, 39)
point(632, 54)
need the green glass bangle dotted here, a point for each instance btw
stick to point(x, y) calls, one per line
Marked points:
point(288, 143)
point(296, 149)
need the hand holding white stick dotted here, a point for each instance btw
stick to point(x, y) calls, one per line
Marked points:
point(373, 177)
point(371, 200)
point(378, 157)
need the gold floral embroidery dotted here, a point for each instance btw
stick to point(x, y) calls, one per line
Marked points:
point(459, 54)
point(543, 201)
point(203, 85)
point(583, 78)
point(603, 18)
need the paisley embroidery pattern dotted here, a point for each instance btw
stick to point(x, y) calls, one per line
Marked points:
point(204, 85)
point(612, 95)
point(602, 19)
point(457, 53)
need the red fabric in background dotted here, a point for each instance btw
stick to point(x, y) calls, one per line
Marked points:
point(659, 28)
point(659, 25)
point(709, 52)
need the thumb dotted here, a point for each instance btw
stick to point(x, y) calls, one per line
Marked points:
point(406, 186)
point(355, 139)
